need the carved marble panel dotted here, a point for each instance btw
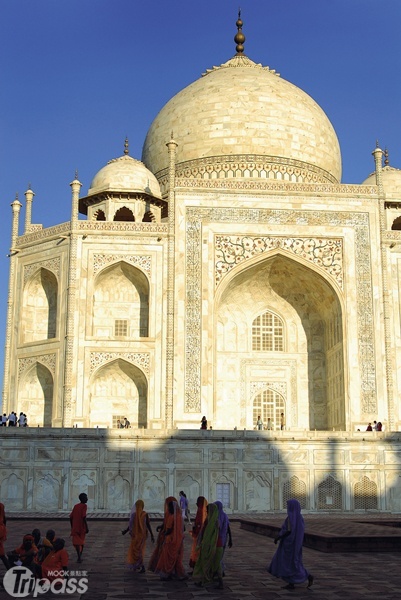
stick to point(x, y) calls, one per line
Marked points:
point(193, 457)
point(327, 457)
point(293, 456)
point(14, 455)
point(49, 453)
point(47, 489)
point(363, 457)
point(84, 455)
point(118, 456)
point(258, 491)
point(153, 488)
point(220, 455)
point(392, 457)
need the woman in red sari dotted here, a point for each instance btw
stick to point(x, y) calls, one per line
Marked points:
point(200, 518)
point(138, 527)
point(170, 564)
point(160, 538)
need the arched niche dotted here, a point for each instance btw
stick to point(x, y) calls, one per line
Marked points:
point(396, 226)
point(121, 302)
point(119, 388)
point(35, 396)
point(310, 368)
point(124, 214)
point(39, 307)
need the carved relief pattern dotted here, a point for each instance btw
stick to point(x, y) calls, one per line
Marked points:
point(52, 265)
point(281, 186)
point(65, 229)
point(359, 222)
point(232, 250)
point(101, 260)
point(140, 359)
point(277, 386)
point(48, 360)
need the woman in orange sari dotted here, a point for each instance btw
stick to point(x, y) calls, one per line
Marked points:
point(170, 564)
point(200, 518)
point(138, 527)
point(3, 535)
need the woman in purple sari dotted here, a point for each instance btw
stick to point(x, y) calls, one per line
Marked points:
point(287, 561)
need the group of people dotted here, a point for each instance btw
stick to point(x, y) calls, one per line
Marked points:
point(46, 555)
point(124, 424)
point(210, 534)
point(377, 426)
point(269, 425)
point(13, 420)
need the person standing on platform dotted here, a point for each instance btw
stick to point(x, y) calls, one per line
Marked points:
point(79, 525)
point(287, 561)
point(259, 423)
point(282, 422)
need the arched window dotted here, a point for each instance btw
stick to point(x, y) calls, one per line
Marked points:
point(268, 333)
point(99, 215)
point(268, 404)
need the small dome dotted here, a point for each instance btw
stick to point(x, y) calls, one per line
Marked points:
point(125, 174)
point(242, 109)
point(391, 179)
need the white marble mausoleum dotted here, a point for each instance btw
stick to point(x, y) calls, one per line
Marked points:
point(228, 273)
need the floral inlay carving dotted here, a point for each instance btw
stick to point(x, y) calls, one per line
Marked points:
point(52, 265)
point(101, 260)
point(140, 359)
point(232, 250)
point(48, 360)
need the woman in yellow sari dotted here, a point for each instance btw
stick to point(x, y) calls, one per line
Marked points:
point(138, 527)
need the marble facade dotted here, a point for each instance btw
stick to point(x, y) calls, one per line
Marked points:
point(45, 470)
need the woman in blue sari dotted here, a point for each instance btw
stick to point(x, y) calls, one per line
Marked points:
point(287, 561)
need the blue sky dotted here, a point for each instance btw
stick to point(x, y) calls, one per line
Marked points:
point(78, 76)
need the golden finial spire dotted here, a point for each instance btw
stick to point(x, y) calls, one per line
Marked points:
point(126, 149)
point(386, 160)
point(239, 37)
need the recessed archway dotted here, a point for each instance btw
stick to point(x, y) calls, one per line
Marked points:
point(35, 397)
point(119, 388)
point(308, 372)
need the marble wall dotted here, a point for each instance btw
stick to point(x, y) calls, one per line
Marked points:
point(45, 469)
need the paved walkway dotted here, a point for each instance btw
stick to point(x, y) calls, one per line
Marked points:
point(357, 576)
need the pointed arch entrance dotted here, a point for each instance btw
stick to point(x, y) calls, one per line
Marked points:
point(302, 360)
point(35, 398)
point(120, 389)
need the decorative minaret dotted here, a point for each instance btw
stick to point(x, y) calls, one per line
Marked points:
point(378, 156)
point(16, 208)
point(71, 296)
point(28, 211)
point(172, 148)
